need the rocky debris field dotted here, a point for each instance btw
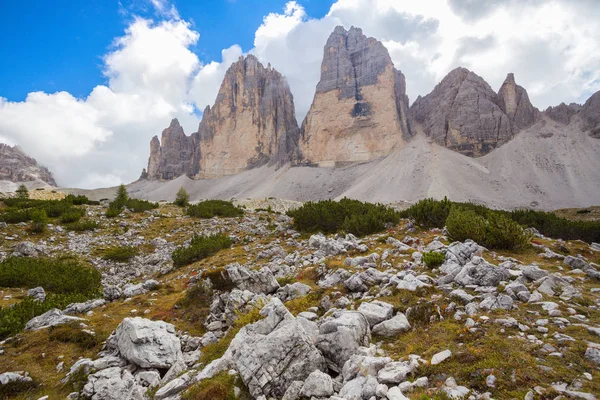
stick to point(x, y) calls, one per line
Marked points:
point(285, 315)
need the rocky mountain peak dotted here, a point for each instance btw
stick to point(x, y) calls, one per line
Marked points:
point(16, 166)
point(463, 113)
point(514, 101)
point(562, 113)
point(590, 113)
point(359, 111)
point(252, 123)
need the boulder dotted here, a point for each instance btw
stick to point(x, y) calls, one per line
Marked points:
point(392, 327)
point(481, 273)
point(376, 311)
point(318, 384)
point(292, 291)
point(38, 293)
point(395, 372)
point(148, 344)
point(340, 336)
point(274, 352)
point(260, 281)
point(50, 318)
point(80, 308)
point(113, 383)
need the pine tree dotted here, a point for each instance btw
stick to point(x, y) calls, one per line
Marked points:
point(121, 197)
point(182, 198)
point(22, 192)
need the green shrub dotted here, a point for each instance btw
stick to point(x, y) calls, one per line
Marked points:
point(496, 232)
point(214, 208)
point(39, 221)
point(137, 205)
point(433, 213)
point(12, 216)
point(200, 248)
point(82, 225)
point(182, 198)
point(72, 333)
point(112, 211)
point(584, 211)
point(120, 253)
point(77, 199)
point(504, 233)
point(58, 275)
point(465, 224)
point(14, 318)
point(219, 387)
point(429, 213)
point(351, 216)
point(72, 216)
point(433, 259)
point(15, 388)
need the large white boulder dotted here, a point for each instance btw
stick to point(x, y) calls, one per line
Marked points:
point(148, 344)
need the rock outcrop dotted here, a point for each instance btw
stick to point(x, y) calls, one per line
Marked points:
point(562, 113)
point(172, 156)
point(590, 114)
point(514, 101)
point(252, 123)
point(463, 113)
point(360, 108)
point(16, 166)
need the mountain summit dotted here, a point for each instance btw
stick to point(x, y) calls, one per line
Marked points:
point(16, 166)
point(360, 108)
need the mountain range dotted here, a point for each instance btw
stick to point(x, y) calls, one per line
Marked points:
point(17, 167)
point(361, 139)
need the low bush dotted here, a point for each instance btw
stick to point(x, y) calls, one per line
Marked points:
point(433, 259)
point(350, 216)
point(12, 389)
point(112, 211)
point(220, 387)
point(497, 231)
point(14, 318)
point(72, 216)
point(121, 253)
point(200, 248)
point(77, 199)
point(138, 206)
point(11, 216)
point(39, 221)
point(214, 208)
point(72, 333)
point(60, 275)
point(82, 225)
point(429, 213)
point(465, 224)
point(22, 210)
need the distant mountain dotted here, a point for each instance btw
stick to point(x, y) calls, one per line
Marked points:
point(17, 167)
point(361, 139)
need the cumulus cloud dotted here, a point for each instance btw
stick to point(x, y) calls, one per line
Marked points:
point(153, 75)
point(103, 138)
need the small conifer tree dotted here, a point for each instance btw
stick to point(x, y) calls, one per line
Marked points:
point(182, 198)
point(22, 192)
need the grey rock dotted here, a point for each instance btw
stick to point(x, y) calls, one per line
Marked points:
point(261, 281)
point(590, 115)
point(494, 302)
point(562, 113)
point(292, 291)
point(333, 279)
point(38, 293)
point(79, 308)
point(395, 372)
point(50, 318)
point(340, 336)
point(18, 376)
point(318, 384)
point(376, 311)
point(576, 263)
point(148, 344)
point(592, 353)
point(16, 166)
point(481, 273)
point(113, 384)
point(514, 101)
point(392, 327)
point(363, 365)
point(533, 272)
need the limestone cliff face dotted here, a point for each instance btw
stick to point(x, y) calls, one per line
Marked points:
point(562, 113)
point(360, 109)
point(462, 113)
point(16, 166)
point(252, 122)
point(590, 114)
point(514, 101)
point(171, 157)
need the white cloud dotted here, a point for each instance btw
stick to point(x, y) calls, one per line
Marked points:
point(153, 75)
point(104, 138)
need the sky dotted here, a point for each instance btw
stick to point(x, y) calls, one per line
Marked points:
point(85, 85)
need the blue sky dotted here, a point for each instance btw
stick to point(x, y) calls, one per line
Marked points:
point(58, 45)
point(85, 85)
